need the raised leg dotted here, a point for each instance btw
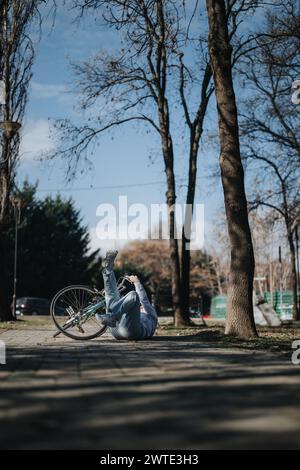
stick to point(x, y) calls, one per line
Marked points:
point(110, 284)
point(112, 294)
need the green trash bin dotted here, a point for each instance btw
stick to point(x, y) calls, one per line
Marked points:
point(218, 307)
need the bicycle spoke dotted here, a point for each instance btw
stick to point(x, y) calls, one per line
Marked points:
point(69, 301)
point(81, 301)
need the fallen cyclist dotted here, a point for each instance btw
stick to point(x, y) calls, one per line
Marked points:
point(132, 316)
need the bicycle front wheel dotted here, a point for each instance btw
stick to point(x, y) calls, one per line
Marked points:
point(73, 312)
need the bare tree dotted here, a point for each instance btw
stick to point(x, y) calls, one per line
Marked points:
point(283, 196)
point(268, 233)
point(195, 126)
point(16, 60)
point(240, 320)
point(138, 84)
point(270, 126)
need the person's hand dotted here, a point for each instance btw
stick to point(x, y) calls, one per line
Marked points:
point(133, 278)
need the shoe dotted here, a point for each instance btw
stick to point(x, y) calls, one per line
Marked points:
point(106, 319)
point(108, 261)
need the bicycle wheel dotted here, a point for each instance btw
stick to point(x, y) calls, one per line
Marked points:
point(73, 312)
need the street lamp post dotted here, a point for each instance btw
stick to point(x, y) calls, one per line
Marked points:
point(16, 202)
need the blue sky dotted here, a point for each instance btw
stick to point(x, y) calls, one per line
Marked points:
point(122, 158)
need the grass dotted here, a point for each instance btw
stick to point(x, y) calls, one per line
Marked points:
point(277, 340)
point(27, 322)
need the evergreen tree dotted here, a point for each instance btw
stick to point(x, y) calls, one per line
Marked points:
point(53, 248)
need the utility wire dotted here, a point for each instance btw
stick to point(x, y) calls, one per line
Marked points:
point(98, 188)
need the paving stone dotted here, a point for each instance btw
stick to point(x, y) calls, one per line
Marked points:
point(166, 393)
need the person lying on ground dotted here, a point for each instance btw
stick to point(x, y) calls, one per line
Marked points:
point(132, 316)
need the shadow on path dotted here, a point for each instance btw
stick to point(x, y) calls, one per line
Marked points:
point(171, 392)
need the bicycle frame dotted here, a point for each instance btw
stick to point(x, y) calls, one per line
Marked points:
point(86, 313)
point(79, 318)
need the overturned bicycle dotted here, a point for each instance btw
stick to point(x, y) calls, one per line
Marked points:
point(73, 310)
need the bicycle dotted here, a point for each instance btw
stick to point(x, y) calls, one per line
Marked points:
point(74, 307)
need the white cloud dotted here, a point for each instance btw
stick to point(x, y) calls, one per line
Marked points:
point(49, 91)
point(35, 140)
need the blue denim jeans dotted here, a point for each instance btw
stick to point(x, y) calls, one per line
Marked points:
point(125, 309)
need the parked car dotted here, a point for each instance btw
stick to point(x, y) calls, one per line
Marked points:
point(33, 306)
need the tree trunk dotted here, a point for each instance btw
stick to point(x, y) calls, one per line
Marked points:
point(5, 310)
point(293, 276)
point(239, 320)
point(196, 129)
point(179, 317)
point(168, 154)
point(289, 230)
point(185, 279)
point(4, 179)
point(186, 230)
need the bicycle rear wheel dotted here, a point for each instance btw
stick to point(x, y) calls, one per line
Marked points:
point(73, 312)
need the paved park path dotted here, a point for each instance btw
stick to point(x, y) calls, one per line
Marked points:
point(168, 393)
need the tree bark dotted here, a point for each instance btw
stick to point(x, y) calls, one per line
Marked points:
point(4, 180)
point(289, 231)
point(293, 276)
point(5, 187)
point(179, 317)
point(186, 231)
point(167, 146)
point(239, 320)
point(16, 57)
point(5, 310)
